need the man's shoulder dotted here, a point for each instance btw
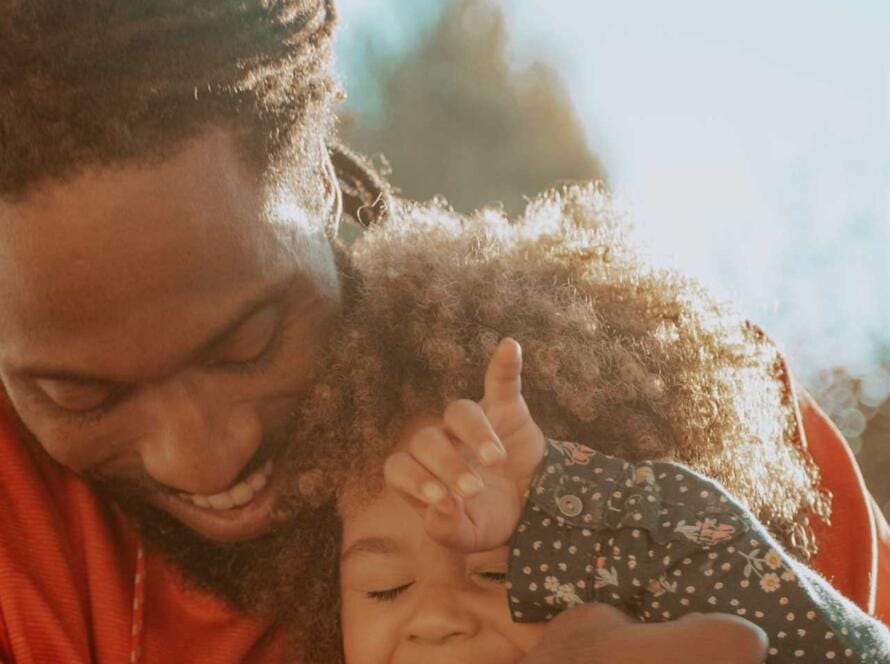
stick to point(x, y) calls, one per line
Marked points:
point(59, 547)
point(39, 497)
point(68, 569)
point(21, 470)
point(26, 474)
point(854, 550)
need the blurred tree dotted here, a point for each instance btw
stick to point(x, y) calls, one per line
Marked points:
point(457, 121)
point(860, 407)
point(437, 97)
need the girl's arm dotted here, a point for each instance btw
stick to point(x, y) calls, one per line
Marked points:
point(659, 541)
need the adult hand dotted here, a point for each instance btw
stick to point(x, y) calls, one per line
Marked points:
point(601, 634)
point(468, 475)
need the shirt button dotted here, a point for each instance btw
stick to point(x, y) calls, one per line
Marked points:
point(570, 505)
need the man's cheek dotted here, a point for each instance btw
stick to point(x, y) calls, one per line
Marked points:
point(79, 445)
point(77, 450)
point(527, 636)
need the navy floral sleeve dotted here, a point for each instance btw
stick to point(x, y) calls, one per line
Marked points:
point(659, 541)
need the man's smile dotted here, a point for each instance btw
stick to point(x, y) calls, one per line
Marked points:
point(239, 495)
point(245, 510)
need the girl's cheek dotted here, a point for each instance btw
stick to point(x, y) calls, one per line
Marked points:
point(368, 631)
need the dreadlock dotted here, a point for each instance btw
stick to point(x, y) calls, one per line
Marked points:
point(99, 81)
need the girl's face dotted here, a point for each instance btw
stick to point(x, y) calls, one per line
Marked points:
point(405, 599)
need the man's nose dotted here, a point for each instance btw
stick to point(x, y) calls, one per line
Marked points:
point(441, 615)
point(198, 444)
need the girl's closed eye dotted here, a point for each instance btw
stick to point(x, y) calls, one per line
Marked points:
point(488, 568)
point(491, 577)
point(388, 594)
point(497, 577)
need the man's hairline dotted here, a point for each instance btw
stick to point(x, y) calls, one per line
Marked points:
point(267, 171)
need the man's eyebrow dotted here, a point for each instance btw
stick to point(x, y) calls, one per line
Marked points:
point(378, 545)
point(244, 312)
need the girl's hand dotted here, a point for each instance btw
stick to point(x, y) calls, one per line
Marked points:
point(467, 476)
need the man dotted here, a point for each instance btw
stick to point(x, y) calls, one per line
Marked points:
point(167, 202)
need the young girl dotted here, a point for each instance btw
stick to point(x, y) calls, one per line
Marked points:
point(632, 362)
point(407, 597)
point(654, 539)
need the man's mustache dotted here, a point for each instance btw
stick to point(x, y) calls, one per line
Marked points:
point(139, 483)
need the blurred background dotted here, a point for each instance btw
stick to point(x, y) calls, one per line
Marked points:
point(751, 140)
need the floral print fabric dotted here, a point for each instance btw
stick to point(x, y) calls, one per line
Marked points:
point(659, 541)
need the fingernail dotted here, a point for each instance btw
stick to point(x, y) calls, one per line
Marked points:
point(469, 485)
point(491, 453)
point(432, 492)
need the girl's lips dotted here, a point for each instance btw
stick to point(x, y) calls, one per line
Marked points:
point(229, 524)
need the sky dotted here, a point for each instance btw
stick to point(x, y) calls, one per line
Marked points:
point(752, 141)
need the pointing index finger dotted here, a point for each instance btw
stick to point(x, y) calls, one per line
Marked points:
point(503, 377)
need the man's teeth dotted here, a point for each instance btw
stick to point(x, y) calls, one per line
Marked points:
point(238, 495)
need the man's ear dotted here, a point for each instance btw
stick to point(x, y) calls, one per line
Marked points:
point(333, 196)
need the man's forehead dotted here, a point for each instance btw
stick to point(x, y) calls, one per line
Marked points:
point(136, 281)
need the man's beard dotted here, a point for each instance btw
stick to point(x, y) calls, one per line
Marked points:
point(221, 568)
point(240, 572)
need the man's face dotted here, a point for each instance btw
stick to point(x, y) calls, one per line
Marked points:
point(158, 324)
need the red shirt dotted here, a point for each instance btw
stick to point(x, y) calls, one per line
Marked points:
point(67, 577)
point(68, 567)
point(854, 551)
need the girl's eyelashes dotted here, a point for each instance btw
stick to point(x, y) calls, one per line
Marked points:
point(389, 594)
point(492, 576)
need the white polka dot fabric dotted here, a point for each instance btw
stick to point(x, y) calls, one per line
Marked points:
point(659, 541)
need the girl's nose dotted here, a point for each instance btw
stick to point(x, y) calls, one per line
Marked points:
point(441, 615)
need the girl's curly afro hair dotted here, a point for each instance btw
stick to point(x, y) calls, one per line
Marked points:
point(636, 361)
